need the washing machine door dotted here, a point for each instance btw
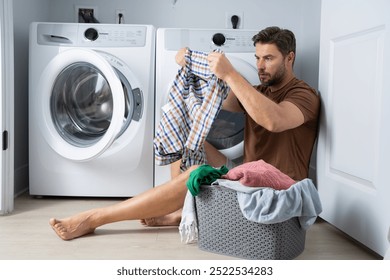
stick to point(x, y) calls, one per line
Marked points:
point(227, 131)
point(82, 104)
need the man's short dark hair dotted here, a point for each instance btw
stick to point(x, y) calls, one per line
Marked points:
point(284, 39)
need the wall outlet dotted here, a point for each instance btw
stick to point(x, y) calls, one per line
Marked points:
point(120, 16)
point(86, 11)
point(228, 20)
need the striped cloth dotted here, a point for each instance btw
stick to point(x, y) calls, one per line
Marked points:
point(195, 99)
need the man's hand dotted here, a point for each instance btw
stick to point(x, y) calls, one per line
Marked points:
point(220, 65)
point(180, 57)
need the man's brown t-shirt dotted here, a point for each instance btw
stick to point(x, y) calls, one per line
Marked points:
point(290, 150)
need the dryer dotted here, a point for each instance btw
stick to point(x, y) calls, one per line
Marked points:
point(227, 132)
point(91, 109)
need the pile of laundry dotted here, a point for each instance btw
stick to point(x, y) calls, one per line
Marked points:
point(264, 193)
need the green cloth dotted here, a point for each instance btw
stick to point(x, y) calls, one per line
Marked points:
point(204, 175)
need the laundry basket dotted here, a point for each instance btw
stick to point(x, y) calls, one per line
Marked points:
point(222, 229)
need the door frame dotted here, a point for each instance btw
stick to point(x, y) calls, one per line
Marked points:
point(6, 107)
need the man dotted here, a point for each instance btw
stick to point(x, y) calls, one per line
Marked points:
point(281, 126)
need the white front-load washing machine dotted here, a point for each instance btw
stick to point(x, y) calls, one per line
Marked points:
point(227, 131)
point(91, 109)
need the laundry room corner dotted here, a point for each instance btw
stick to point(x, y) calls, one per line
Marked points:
point(88, 98)
point(165, 14)
point(23, 14)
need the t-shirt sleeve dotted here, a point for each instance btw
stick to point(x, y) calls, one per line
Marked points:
point(307, 100)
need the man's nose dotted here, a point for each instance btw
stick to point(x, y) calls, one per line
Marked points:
point(260, 64)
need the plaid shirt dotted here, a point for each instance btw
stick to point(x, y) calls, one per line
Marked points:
point(195, 99)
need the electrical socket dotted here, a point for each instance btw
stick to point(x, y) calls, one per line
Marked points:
point(78, 9)
point(117, 18)
point(228, 20)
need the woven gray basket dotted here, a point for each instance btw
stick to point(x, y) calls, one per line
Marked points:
point(222, 229)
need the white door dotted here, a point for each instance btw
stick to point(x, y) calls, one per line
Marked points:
point(6, 106)
point(353, 146)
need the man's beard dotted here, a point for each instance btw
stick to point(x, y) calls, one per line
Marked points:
point(275, 79)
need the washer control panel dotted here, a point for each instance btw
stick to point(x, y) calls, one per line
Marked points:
point(118, 36)
point(234, 41)
point(92, 35)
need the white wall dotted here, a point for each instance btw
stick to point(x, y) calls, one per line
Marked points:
point(300, 16)
point(189, 13)
point(24, 13)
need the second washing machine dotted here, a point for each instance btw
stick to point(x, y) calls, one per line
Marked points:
point(91, 109)
point(227, 131)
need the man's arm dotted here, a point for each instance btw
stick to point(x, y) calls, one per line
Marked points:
point(275, 117)
point(230, 103)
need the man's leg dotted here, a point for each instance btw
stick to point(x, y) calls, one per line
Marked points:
point(214, 158)
point(171, 219)
point(156, 202)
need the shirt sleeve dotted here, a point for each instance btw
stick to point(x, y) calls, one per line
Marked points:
point(307, 100)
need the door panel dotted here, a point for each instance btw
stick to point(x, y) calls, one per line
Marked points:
point(6, 108)
point(352, 155)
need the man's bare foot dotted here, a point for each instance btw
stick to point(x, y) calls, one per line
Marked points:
point(72, 227)
point(172, 219)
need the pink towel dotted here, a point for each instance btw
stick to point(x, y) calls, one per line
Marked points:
point(259, 174)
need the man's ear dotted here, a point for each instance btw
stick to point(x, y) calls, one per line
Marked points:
point(291, 56)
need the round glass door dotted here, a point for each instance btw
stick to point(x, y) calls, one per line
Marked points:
point(83, 104)
point(227, 133)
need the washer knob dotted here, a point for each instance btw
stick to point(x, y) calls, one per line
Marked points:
point(91, 34)
point(219, 39)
